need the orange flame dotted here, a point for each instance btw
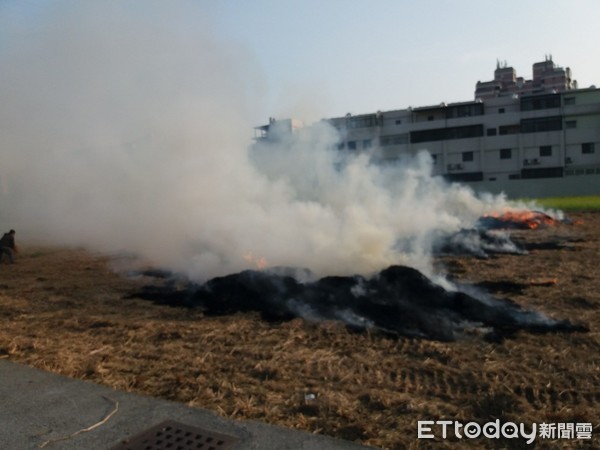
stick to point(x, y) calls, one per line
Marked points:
point(526, 219)
point(260, 263)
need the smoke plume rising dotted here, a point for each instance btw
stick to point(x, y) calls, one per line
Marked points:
point(129, 130)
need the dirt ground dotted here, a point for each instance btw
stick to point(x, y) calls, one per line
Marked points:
point(67, 311)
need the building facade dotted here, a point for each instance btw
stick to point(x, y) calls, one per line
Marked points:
point(525, 144)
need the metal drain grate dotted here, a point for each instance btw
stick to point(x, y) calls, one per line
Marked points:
point(171, 435)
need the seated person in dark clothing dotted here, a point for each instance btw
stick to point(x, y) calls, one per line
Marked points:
point(7, 246)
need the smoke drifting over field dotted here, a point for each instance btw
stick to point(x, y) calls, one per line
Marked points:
point(130, 131)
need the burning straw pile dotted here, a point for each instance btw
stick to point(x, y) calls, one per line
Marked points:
point(397, 301)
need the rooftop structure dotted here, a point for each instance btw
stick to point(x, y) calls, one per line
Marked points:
point(547, 78)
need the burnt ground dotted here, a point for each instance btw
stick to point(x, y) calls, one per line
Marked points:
point(67, 311)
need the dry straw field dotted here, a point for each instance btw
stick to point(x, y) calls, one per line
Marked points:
point(67, 311)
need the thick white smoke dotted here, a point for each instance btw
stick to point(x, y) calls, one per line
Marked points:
point(124, 130)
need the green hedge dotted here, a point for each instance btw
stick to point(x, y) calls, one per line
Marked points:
point(588, 203)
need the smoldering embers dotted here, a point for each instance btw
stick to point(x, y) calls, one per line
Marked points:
point(398, 301)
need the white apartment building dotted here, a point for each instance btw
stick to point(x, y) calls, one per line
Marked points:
point(529, 139)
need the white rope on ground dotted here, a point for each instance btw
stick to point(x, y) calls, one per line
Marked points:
point(85, 430)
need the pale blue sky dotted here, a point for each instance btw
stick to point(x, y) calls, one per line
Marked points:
point(337, 56)
point(316, 59)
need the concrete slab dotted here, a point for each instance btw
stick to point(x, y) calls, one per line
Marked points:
point(44, 410)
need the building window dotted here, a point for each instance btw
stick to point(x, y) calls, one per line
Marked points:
point(569, 101)
point(546, 150)
point(398, 121)
point(537, 102)
point(505, 153)
point(491, 132)
point(571, 124)
point(396, 139)
point(441, 134)
point(467, 156)
point(367, 143)
point(351, 145)
point(361, 121)
point(467, 110)
point(541, 124)
point(430, 118)
point(435, 158)
point(550, 172)
point(509, 129)
point(501, 111)
point(587, 148)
